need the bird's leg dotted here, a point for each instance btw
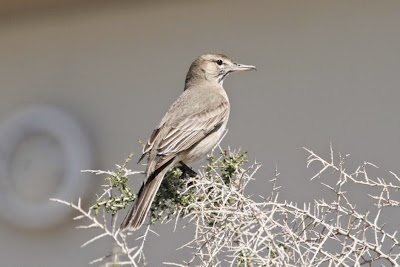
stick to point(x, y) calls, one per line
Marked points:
point(187, 170)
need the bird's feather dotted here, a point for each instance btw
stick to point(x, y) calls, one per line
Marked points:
point(179, 131)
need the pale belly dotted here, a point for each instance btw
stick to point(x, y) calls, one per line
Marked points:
point(202, 148)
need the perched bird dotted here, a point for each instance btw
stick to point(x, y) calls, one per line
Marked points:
point(192, 126)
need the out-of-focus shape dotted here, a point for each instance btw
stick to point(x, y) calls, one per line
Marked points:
point(42, 151)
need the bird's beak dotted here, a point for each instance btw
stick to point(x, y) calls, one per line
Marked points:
point(242, 67)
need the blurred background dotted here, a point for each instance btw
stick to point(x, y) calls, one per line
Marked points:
point(328, 71)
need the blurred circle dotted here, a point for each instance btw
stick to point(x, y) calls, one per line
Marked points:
point(42, 151)
point(37, 167)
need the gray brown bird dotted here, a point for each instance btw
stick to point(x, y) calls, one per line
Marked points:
point(192, 126)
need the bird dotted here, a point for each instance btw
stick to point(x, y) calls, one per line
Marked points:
point(192, 126)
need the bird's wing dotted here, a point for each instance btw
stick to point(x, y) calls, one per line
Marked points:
point(180, 133)
point(192, 129)
point(150, 143)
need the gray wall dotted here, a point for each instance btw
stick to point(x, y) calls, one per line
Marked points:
point(328, 71)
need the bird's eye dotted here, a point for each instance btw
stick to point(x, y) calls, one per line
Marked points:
point(219, 62)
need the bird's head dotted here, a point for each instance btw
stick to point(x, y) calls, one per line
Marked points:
point(213, 68)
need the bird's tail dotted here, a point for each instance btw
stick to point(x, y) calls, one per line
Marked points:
point(141, 206)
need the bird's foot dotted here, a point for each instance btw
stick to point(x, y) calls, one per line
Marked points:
point(187, 170)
